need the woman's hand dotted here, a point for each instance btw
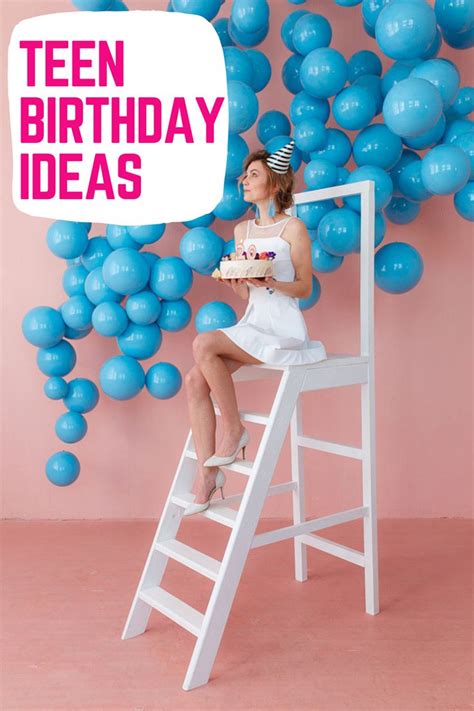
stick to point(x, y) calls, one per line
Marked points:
point(266, 281)
point(239, 286)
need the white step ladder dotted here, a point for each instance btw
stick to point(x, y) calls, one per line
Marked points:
point(337, 371)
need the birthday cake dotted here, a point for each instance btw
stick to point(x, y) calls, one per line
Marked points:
point(245, 264)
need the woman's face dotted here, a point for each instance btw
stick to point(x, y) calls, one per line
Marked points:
point(255, 183)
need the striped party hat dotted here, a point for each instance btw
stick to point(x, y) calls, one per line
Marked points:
point(279, 161)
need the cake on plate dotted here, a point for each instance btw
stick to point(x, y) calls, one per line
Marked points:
point(245, 264)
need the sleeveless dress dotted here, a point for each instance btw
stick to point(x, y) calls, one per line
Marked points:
point(273, 328)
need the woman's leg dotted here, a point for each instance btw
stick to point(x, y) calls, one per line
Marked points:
point(203, 424)
point(210, 350)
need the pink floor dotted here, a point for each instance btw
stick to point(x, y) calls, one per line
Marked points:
point(287, 645)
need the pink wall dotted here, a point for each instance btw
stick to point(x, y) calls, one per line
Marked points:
point(129, 456)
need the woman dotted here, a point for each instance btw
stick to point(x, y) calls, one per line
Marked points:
point(272, 329)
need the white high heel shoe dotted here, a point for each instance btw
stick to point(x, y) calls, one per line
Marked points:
point(197, 508)
point(216, 461)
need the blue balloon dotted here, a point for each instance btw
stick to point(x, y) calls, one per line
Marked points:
point(464, 101)
point(402, 211)
point(363, 62)
point(175, 315)
point(288, 26)
point(247, 39)
point(459, 40)
point(121, 377)
point(261, 69)
point(456, 16)
point(229, 247)
point(206, 8)
point(237, 152)
point(143, 308)
point(370, 10)
point(58, 360)
point(466, 143)
point(92, 5)
point(232, 204)
point(382, 183)
point(323, 72)
point(412, 107)
point(151, 258)
point(250, 15)
point(307, 303)
point(397, 72)
point(140, 342)
point(117, 6)
point(97, 290)
point(377, 145)
point(303, 106)
point(43, 326)
point(63, 468)
point(457, 128)
point(214, 315)
point(125, 271)
point(464, 202)
point(312, 212)
point(429, 138)
point(410, 183)
point(290, 73)
point(67, 240)
point(342, 175)
point(372, 84)
point(171, 278)
point(274, 144)
point(95, 253)
point(74, 334)
point(339, 231)
point(311, 31)
point(221, 27)
point(443, 75)
point(243, 106)
point(73, 280)
point(405, 30)
point(271, 124)
point(55, 388)
point(445, 169)
point(109, 319)
point(310, 134)
point(380, 228)
point(338, 148)
point(406, 158)
point(82, 395)
point(118, 237)
point(322, 261)
point(71, 427)
point(77, 312)
point(146, 234)
point(353, 108)
point(201, 249)
point(163, 380)
point(320, 173)
point(398, 267)
point(237, 65)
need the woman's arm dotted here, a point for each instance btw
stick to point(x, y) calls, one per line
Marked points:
point(300, 243)
point(239, 286)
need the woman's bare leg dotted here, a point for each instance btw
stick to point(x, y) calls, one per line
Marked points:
point(210, 349)
point(203, 424)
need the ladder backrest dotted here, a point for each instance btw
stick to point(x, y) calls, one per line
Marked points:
point(365, 189)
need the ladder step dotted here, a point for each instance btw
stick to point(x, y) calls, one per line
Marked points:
point(174, 608)
point(218, 510)
point(192, 558)
point(242, 466)
point(344, 450)
point(248, 416)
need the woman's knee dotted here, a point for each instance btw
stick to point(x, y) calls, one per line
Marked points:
point(202, 346)
point(195, 382)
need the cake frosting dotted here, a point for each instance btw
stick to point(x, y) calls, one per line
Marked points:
point(245, 264)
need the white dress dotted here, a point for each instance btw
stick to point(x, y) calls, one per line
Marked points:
point(273, 328)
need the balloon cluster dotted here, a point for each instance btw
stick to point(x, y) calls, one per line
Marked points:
point(119, 291)
point(418, 105)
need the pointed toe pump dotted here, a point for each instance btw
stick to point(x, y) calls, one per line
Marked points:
point(197, 508)
point(216, 461)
